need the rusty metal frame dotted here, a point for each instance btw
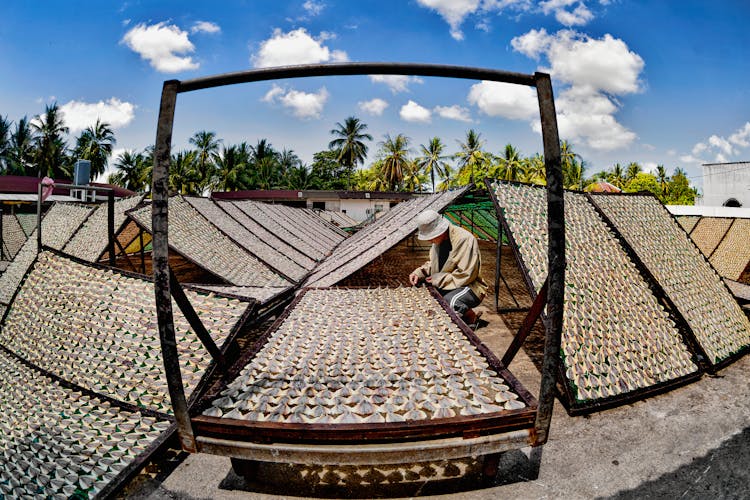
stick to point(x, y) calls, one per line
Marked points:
point(556, 220)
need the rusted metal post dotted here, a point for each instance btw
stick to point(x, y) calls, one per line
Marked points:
point(195, 323)
point(2, 238)
point(111, 226)
point(556, 255)
point(39, 219)
point(528, 323)
point(163, 296)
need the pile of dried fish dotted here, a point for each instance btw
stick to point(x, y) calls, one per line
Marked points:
point(695, 288)
point(57, 443)
point(617, 338)
point(242, 235)
point(263, 216)
point(67, 217)
point(13, 236)
point(708, 232)
point(91, 240)
point(688, 222)
point(195, 237)
point(58, 225)
point(375, 239)
point(97, 328)
point(347, 356)
point(732, 256)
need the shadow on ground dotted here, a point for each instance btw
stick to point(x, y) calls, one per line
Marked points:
point(724, 472)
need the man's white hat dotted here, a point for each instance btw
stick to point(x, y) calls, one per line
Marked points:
point(431, 225)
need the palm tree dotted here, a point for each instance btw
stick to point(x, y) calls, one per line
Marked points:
point(533, 170)
point(208, 147)
point(299, 177)
point(471, 154)
point(633, 170)
point(184, 177)
point(661, 177)
point(5, 144)
point(395, 159)
point(133, 171)
point(50, 146)
point(22, 149)
point(511, 164)
point(288, 160)
point(231, 170)
point(95, 144)
point(573, 166)
point(349, 143)
point(432, 159)
point(617, 177)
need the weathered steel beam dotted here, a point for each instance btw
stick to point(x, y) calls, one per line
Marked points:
point(363, 68)
point(163, 296)
point(556, 254)
point(111, 226)
point(528, 323)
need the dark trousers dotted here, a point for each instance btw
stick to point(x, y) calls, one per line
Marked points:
point(460, 299)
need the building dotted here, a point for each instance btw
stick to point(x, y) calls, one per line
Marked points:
point(726, 184)
point(359, 205)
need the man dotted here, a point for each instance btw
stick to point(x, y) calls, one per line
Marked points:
point(454, 264)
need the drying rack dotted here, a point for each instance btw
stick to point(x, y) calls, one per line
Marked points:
point(440, 442)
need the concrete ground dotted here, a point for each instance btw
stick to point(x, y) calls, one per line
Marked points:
point(692, 442)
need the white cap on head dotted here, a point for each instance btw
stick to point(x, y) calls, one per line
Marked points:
point(431, 225)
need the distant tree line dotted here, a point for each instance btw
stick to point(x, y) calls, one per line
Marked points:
point(38, 147)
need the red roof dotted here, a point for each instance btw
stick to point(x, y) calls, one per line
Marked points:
point(29, 185)
point(293, 194)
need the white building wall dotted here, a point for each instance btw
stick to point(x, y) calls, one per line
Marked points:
point(361, 209)
point(722, 181)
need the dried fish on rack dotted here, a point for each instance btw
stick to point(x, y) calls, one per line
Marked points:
point(57, 443)
point(365, 356)
point(97, 328)
point(717, 321)
point(617, 338)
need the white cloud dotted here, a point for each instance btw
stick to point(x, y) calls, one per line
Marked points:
point(691, 159)
point(742, 136)
point(588, 117)
point(532, 44)
point(721, 144)
point(373, 106)
point(79, 115)
point(454, 112)
point(504, 99)
point(453, 11)
point(205, 27)
point(397, 83)
point(295, 47)
point(313, 8)
point(593, 72)
point(577, 17)
point(413, 112)
point(721, 148)
point(699, 148)
point(303, 105)
point(605, 64)
point(162, 46)
point(672, 152)
point(580, 15)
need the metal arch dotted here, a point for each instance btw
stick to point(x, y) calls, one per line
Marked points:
point(555, 209)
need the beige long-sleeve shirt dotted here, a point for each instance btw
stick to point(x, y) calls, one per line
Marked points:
point(461, 268)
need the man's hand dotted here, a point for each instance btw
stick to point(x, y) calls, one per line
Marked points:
point(413, 279)
point(428, 279)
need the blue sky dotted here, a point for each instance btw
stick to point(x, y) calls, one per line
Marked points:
point(654, 82)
